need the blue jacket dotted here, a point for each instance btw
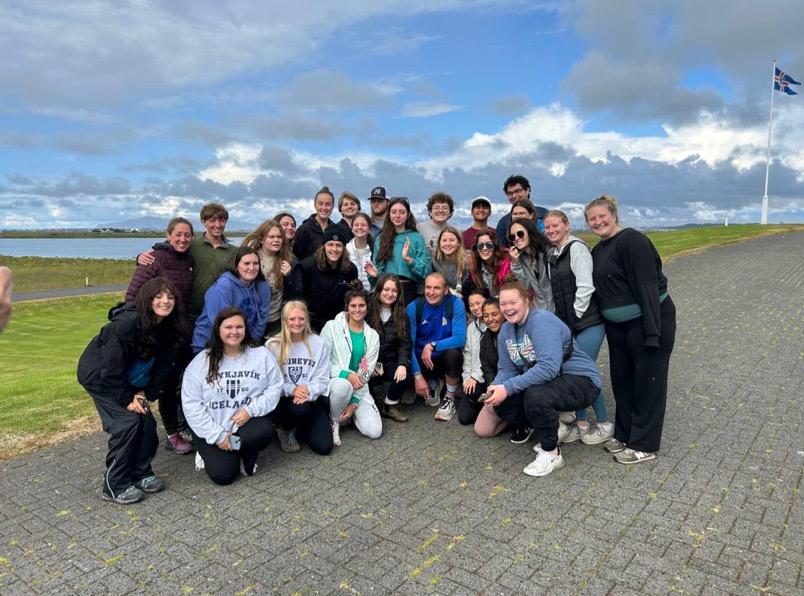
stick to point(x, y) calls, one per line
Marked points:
point(229, 290)
point(533, 353)
point(435, 327)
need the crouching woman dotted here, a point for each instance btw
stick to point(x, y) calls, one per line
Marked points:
point(228, 392)
point(541, 372)
point(131, 362)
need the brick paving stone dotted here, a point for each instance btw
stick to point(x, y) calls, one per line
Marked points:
point(429, 508)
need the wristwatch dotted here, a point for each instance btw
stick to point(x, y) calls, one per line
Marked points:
point(433, 345)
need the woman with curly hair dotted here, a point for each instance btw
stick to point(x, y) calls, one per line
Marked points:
point(401, 249)
point(130, 363)
point(276, 263)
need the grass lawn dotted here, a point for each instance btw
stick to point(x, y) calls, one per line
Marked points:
point(39, 395)
point(40, 273)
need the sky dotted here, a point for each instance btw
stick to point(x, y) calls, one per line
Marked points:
point(116, 110)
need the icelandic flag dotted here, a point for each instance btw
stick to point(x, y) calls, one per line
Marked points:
point(782, 82)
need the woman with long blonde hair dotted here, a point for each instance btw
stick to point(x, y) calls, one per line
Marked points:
point(450, 259)
point(304, 361)
point(276, 263)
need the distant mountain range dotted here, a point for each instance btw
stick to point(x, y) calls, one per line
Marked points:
point(158, 224)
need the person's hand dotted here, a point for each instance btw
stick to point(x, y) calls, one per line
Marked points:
point(346, 415)
point(241, 417)
point(513, 254)
point(146, 258)
point(225, 444)
point(421, 386)
point(427, 356)
point(300, 394)
point(139, 404)
point(400, 374)
point(469, 385)
point(371, 269)
point(498, 395)
point(405, 252)
point(355, 380)
point(284, 267)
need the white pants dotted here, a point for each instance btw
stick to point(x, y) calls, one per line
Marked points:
point(367, 417)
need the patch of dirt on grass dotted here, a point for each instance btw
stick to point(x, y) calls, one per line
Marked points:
point(13, 445)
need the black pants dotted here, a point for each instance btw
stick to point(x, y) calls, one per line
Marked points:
point(469, 407)
point(447, 364)
point(565, 393)
point(223, 466)
point(639, 379)
point(170, 410)
point(386, 384)
point(132, 443)
point(311, 421)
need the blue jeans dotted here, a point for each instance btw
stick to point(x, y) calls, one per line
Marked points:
point(590, 340)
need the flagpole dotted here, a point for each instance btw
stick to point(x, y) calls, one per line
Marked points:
point(763, 219)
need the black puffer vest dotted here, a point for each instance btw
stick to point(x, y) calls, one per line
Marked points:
point(562, 280)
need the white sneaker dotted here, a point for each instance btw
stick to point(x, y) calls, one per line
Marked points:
point(575, 433)
point(566, 417)
point(537, 447)
point(563, 431)
point(600, 433)
point(447, 409)
point(434, 401)
point(243, 469)
point(544, 464)
point(199, 462)
point(336, 433)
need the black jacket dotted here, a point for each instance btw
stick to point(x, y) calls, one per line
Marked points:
point(104, 365)
point(323, 291)
point(488, 356)
point(393, 351)
point(309, 237)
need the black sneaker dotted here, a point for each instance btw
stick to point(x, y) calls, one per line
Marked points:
point(131, 495)
point(150, 484)
point(521, 435)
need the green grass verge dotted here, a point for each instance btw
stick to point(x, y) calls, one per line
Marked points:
point(39, 393)
point(40, 273)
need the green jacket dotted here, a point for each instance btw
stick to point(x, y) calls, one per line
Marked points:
point(210, 262)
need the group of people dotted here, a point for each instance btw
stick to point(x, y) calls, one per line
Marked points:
point(298, 332)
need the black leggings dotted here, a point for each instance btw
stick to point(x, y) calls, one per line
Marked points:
point(394, 390)
point(639, 379)
point(311, 421)
point(469, 407)
point(221, 466)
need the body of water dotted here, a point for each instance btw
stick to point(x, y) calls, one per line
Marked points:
point(90, 248)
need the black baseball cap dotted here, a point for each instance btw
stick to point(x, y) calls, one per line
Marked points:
point(378, 194)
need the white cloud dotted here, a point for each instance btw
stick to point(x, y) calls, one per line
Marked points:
point(426, 109)
point(237, 162)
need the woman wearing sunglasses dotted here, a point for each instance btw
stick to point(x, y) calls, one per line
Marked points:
point(488, 265)
point(528, 254)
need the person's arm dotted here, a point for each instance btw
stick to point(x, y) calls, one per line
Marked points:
point(471, 354)
point(421, 265)
point(192, 402)
point(218, 297)
point(458, 337)
point(414, 361)
point(328, 335)
point(639, 260)
point(263, 293)
point(6, 291)
point(404, 349)
point(265, 402)
point(290, 287)
point(581, 265)
point(522, 271)
point(549, 350)
point(489, 371)
point(141, 274)
point(300, 243)
point(115, 352)
point(319, 376)
point(506, 369)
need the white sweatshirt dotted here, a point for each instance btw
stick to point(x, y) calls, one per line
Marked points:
point(471, 351)
point(305, 368)
point(251, 381)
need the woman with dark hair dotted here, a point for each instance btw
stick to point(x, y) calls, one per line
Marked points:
point(171, 259)
point(323, 279)
point(640, 320)
point(488, 265)
point(528, 255)
point(401, 249)
point(240, 286)
point(310, 235)
point(304, 360)
point(276, 263)
point(353, 350)
point(359, 249)
point(288, 223)
point(131, 362)
point(450, 259)
point(228, 392)
point(387, 316)
point(525, 209)
point(474, 383)
point(570, 268)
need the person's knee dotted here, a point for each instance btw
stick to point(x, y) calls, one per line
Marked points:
point(222, 477)
point(373, 431)
point(321, 447)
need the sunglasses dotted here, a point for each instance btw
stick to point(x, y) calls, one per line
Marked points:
point(485, 246)
point(519, 234)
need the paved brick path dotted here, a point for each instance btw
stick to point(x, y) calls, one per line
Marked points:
point(429, 508)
